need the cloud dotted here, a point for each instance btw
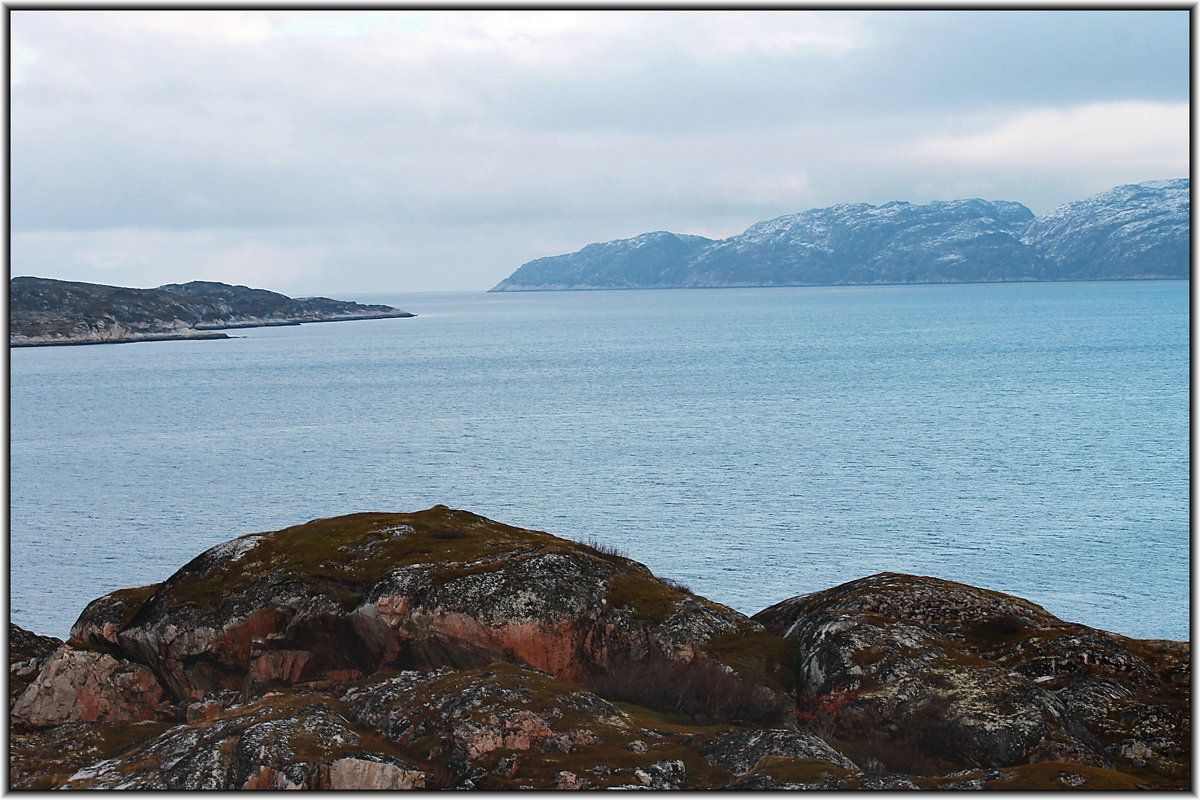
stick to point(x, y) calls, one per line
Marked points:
point(1153, 138)
point(412, 137)
point(137, 256)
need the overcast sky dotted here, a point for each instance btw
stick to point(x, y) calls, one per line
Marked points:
point(321, 152)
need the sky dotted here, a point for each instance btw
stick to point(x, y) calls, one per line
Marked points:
point(334, 153)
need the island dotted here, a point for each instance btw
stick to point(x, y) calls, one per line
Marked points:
point(440, 649)
point(1136, 231)
point(43, 311)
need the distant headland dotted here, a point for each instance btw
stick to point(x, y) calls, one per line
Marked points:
point(42, 311)
point(1138, 231)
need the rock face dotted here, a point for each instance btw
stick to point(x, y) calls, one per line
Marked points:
point(441, 649)
point(1139, 231)
point(44, 312)
point(26, 653)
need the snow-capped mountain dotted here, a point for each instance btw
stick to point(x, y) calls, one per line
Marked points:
point(1139, 231)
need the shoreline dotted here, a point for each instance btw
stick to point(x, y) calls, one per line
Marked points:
point(206, 331)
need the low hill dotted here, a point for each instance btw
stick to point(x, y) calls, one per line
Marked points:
point(42, 311)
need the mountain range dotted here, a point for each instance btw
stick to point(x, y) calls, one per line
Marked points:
point(1129, 232)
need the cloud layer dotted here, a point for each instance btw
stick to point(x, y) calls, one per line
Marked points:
point(320, 151)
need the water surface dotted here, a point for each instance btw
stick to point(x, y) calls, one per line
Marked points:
point(752, 443)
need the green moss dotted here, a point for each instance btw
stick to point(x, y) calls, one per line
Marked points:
point(798, 770)
point(340, 556)
point(1049, 775)
point(59, 753)
point(645, 596)
point(759, 655)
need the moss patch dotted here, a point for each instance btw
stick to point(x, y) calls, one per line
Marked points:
point(1053, 775)
point(759, 655)
point(341, 556)
point(798, 770)
point(45, 760)
point(644, 595)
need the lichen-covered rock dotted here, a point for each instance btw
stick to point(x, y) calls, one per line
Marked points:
point(322, 605)
point(26, 645)
point(441, 649)
point(478, 718)
point(507, 726)
point(937, 671)
point(275, 743)
point(739, 751)
point(105, 616)
point(665, 774)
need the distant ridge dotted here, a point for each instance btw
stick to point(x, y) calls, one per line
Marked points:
point(1130, 232)
point(43, 311)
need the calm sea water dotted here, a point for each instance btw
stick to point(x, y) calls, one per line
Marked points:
point(754, 444)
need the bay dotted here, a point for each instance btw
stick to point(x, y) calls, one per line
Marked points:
point(753, 444)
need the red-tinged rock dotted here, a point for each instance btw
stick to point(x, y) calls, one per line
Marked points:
point(87, 686)
point(27, 651)
point(362, 774)
point(284, 741)
point(325, 604)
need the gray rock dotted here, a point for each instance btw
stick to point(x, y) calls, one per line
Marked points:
point(738, 751)
point(966, 674)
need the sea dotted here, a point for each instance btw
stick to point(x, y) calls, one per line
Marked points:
point(753, 444)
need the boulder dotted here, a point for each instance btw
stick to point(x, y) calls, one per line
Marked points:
point(26, 645)
point(934, 673)
point(739, 751)
point(88, 686)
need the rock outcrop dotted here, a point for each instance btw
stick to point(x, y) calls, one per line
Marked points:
point(26, 653)
point(42, 311)
point(441, 649)
point(1138, 231)
point(934, 674)
point(322, 605)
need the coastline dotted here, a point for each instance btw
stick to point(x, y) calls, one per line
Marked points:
point(200, 331)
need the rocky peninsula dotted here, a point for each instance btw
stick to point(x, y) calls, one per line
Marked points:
point(42, 311)
point(441, 649)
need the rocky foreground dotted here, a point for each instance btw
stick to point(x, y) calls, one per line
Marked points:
point(441, 649)
point(42, 311)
